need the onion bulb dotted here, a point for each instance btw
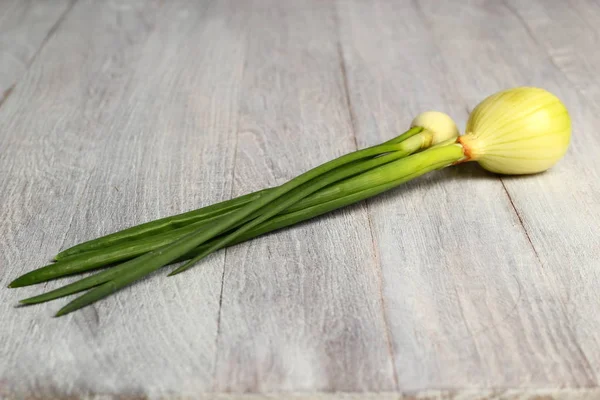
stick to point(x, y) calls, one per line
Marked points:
point(438, 126)
point(523, 130)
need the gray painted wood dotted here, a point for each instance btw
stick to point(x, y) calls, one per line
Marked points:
point(577, 22)
point(459, 271)
point(103, 101)
point(462, 282)
point(555, 208)
point(301, 309)
point(465, 394)
point(25, 25)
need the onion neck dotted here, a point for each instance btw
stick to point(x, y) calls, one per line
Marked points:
point(472, 147)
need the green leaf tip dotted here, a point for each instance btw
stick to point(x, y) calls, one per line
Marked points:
point(63, 311)
point(17, 283)
point(32, 300)
point(174, 272)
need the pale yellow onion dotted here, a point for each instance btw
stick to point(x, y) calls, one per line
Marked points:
point(523, 130)
point(437, 127)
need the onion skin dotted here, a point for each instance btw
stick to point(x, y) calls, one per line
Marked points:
point(437, 126)
point(523, 130)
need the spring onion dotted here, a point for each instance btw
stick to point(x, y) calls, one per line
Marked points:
point(522, 130)
point(131, 242)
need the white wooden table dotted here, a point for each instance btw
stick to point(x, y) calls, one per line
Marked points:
point(460, 284)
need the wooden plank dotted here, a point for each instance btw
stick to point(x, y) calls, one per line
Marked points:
point(503, 299)
point(464, 394)
point(555, 208)
point(467, 299)
point(562, 216)
point(301, 309)
point(24, 27)
point(559, 212)
point(128, 114)
point(568, 32)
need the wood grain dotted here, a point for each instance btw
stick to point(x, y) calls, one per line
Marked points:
point(554, 208)
point(466, 394)
point(459, 285)
point(568, 32)
point(128, 114)
point(466, 293)
point(301, 308)
point(25, 25)
point(473, 394)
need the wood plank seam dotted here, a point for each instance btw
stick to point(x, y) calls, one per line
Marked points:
point(556, 65)
point(231, 195)
point(575, 87)
point(521, 223)
point(51, 32)
point(377, 262)
point(7, 93)
point(436, 44)
point(469, 110)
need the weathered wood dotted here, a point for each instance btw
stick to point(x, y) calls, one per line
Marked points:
point(25, 25)
point(554, 208)
point(301, 309)
point(562, 214)
point(460, 285)
point(465, 394)
point(568, 32)
point(128, 114)
point(467, 298)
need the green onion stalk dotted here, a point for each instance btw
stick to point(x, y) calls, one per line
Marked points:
point(522, 130)
point(428, 129)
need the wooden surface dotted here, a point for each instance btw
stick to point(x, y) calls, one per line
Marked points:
point(459, 284)
point(25, 26)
